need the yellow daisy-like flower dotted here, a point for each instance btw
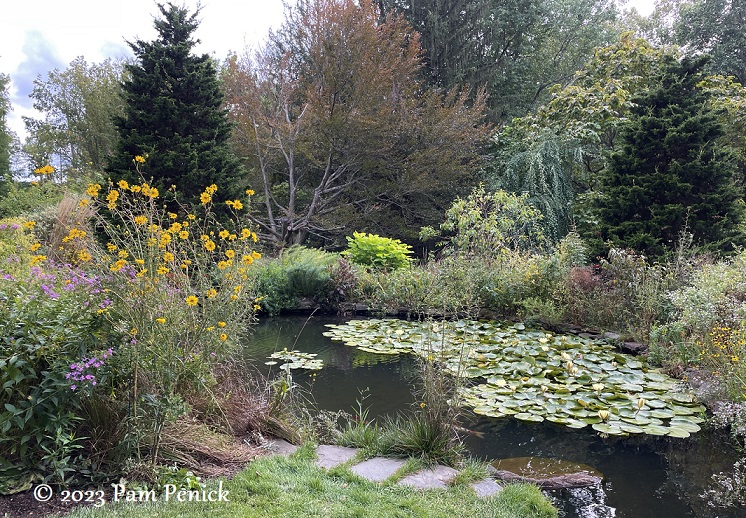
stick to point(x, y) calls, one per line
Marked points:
point(162, 270)
point(123, 184)
point(211, 293)
point(230, 254)
point(245, 233)
point(92, 190)
point(191, 300)
point(237, 204)
point(183, 234)
point(223, 337)
point(161, 320)
point(165, 239)
point(187, 262)
point(191, 216)
point(112, 196)
point(29, 224)
point(111, 247)
point(210, 245)
point(35, 247)
point(84, 256)
point(175, 227)
point(142, 272)
point(171, 215)
point(36, 259)
point(250, 192)
point(204, 237)
point(168, 257)
point(247, 259)
point(223, 234)
point(211, 328)
point(139, 159)
point(139, 261)
point(135, 188)
point(115, 267)
point(83, 203)
point(205, 198)
point(234, 297)
point(257, 307)
point(222, 265)
point(212, 189)
point(123, 254)
point(141, 220)
point(221, 324)
point(256, 255)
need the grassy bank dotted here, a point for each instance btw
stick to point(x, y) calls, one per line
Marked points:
point(295, 487)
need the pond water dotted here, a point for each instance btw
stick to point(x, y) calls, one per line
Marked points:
point(645, 476)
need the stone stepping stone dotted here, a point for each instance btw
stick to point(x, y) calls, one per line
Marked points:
point(432, 478)
point(486, 487)
point(330, 456)
point(378, 469)
point(281, 447)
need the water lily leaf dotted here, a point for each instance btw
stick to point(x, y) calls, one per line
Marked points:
point(525, 416)
point(609, 429)
point(678, 432)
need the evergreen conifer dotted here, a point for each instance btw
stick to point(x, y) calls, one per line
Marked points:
point(174, 115)
point(672, 173)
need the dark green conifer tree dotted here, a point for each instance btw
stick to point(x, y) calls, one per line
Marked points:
point(174, 115)
point(672, 172)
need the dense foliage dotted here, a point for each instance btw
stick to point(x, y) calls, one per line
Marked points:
point(671, 174)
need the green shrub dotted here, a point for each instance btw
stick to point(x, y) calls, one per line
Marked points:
point(485, 223)
point(23, 199)
point(377, 252)
point(52, 354)
point(298, 272)
point(16, 241)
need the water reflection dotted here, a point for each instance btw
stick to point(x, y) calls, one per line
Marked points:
point(646, 477)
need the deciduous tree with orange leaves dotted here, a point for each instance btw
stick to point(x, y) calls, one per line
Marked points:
point(339, 131)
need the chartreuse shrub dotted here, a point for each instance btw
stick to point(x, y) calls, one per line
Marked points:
point(296, 273)
point(377, 252)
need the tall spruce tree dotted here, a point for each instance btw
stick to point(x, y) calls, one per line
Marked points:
point(174, 114)
point(672, 173)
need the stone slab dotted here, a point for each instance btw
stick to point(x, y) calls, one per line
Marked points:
point(330, 456)
point(432, 478)
point(281, 447)
point(486, 487)
point(378, 469)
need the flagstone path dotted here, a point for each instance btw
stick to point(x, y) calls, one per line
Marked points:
point(380, 469)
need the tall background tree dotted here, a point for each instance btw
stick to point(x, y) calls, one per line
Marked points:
point(672, 174)
point(6, 137)
point(174, 114)
point(339, 132)
point(718, 28)
point(514, 48)
point(76, 133)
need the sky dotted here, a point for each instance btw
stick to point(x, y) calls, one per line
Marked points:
point(37, 36)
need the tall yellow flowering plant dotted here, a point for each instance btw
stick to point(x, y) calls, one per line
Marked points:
point(179, 292)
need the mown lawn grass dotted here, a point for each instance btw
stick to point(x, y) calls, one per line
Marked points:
point(295, 487)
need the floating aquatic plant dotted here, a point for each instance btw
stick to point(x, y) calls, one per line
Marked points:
point(536, 375)
point(295, 360)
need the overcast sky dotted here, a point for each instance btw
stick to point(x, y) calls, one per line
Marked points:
point(37, 36)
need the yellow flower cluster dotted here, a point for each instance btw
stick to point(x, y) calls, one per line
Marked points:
point(93, 189)
point(74, 233)
point(47, 169)
point(206, 197)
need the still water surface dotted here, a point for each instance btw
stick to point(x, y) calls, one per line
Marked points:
point(646, 477)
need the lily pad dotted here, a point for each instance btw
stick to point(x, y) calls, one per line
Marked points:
point(536, 375)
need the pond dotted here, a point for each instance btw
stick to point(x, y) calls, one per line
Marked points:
point(645, 476)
